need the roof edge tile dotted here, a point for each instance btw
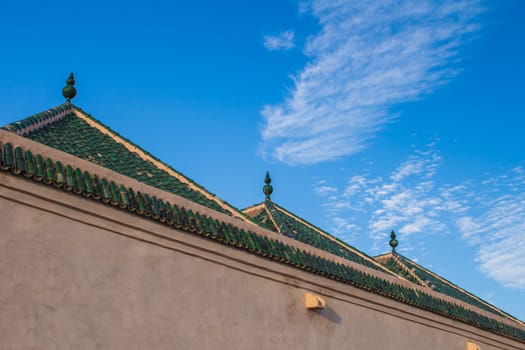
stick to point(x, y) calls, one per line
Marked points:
point(17, 161)
point(39, 120)
point(157, 162)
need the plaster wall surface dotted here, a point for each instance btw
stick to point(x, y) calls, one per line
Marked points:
point(75, 274)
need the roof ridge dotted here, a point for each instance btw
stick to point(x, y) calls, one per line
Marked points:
point(458, 288)
point(46, 118)
point(272, 219)
point(252, 207)
point(145, 155)
point(332, 238)
point(409, 271)
point(19, 161)
point(39, 120)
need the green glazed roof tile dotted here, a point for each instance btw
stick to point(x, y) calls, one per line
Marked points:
point(269, 215)
point(62, 129)
point(424, 277)
point(275, 218)
point(15, 160)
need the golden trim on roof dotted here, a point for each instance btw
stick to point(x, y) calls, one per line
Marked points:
point(85, 165)
point(330, 237)
point(158, 164)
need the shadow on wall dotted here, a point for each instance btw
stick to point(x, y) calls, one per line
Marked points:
point(329, 314)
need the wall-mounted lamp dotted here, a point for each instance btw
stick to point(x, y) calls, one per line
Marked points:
point(313, 301)
point(472, 346)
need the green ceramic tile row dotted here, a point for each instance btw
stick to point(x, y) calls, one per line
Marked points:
point(74, 136)
point(447, 289)
point(193, 183)
point(262, 220)
point(394, 266)
point(38, 118)
point(47, 171)
point(301, 232)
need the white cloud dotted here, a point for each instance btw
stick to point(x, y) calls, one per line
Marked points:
point(368, 57)
point(504, 261)
point(407, 169)
point(322, 189)
point(488, 214)
point(344, 229)
point(406, 201)
point(468, 227)
point(281, 41)
point(497, 226)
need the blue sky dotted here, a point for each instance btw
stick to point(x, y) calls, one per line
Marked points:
point(370, 116)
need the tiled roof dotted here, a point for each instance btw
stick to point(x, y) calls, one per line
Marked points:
point(426, 278)
point(69, 129)
point(275, 218)
point(22, 162)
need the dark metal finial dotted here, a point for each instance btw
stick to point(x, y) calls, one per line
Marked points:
point(69, 90)
point(267, 189)
point(393, 241)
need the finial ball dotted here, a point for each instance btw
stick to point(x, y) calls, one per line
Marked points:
point(393, 240)
point(267, 189)
point(69, 90)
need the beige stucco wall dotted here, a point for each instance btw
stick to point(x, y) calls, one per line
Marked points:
point(76, 274)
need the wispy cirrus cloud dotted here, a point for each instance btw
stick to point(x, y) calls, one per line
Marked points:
point(281, 41)
point(498, 227)
point(488, 214)
point(368, 57)
point(408, 200)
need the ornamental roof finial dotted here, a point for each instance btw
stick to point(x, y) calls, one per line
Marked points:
point(69, 90)
point(393, 241)
point(267, 189)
